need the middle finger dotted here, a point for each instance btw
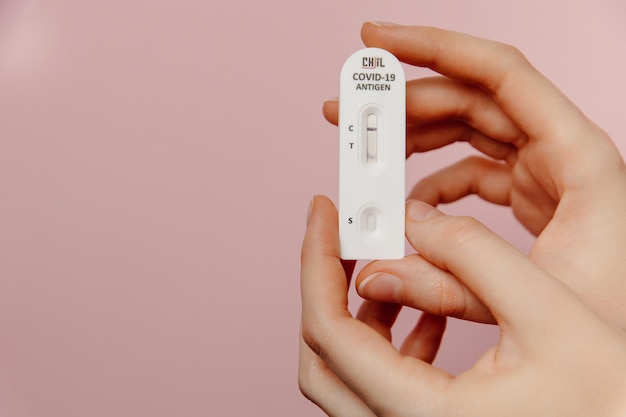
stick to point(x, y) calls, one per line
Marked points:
point(438, 99)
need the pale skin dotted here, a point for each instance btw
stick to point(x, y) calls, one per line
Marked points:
point(561, 309)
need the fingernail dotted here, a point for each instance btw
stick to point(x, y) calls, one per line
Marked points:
point(381, 286)
point(385, 24)
point(308, 214)
point(419, 211)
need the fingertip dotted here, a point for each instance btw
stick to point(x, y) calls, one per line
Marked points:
point(420, 211)
point(361, 284)
point(380, 286)
point(321, 235)
point(379, 23)
point(330, 110)
point(310, 210)
point(320, 206)
point(425, 339)
point(367, 29)
point(371, 28)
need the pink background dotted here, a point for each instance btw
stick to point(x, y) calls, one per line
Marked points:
point(156, 163)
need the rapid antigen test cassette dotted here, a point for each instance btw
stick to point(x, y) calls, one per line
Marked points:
point(372, 134)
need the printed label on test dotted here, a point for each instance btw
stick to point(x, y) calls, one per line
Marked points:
point(372, 134)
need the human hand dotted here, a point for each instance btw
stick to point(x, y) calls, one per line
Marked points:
point(562, 175)
point(555, 355)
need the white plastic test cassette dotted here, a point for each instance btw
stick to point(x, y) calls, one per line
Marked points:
point(372, 133)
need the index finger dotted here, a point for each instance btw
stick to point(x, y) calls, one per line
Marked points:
point(517, 291)
point(529, 98)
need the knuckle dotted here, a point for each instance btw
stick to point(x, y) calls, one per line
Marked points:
point(513, 53)
point(512, 61)
point(308, 362)
point(451, 298)
point(461, 230)
point(313, 373)
point(309, 335)
point(305, 383)
point(467, 133)
point(309, 381)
